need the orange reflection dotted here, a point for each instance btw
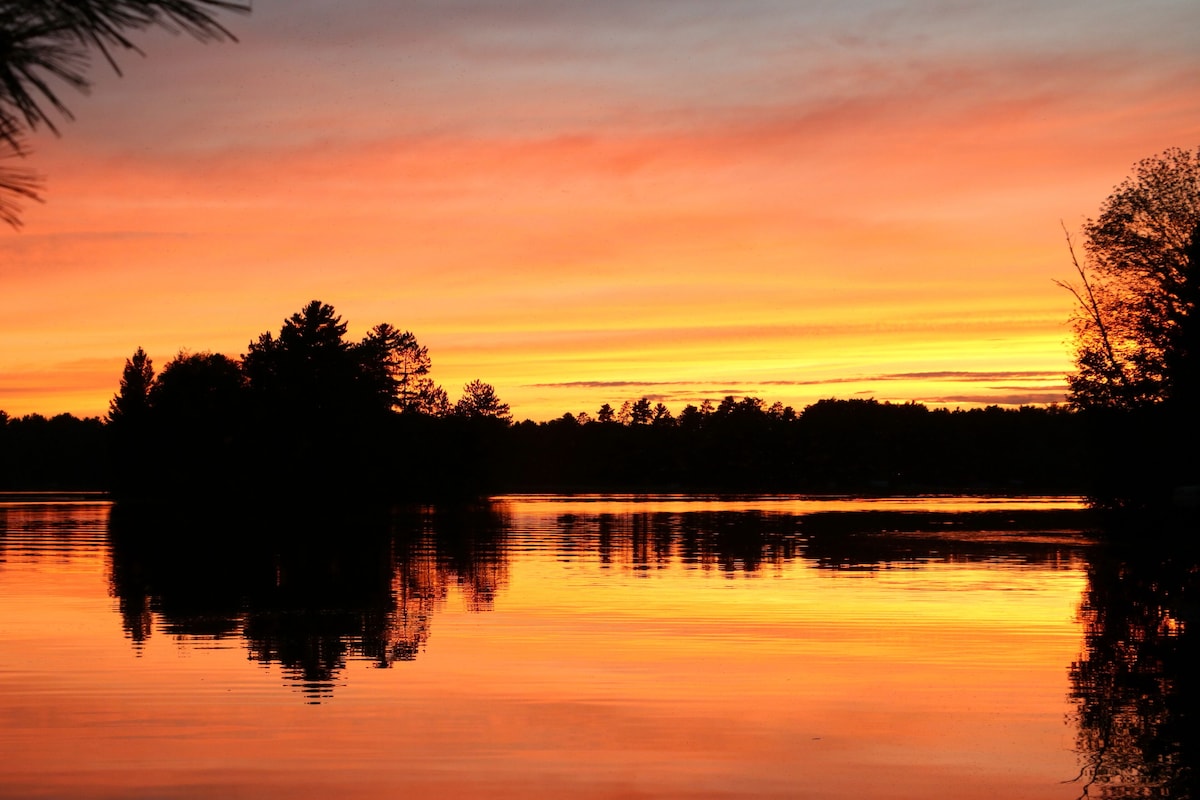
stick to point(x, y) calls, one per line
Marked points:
point(602, 667)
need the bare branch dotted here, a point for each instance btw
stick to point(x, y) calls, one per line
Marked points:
point(1091, 308)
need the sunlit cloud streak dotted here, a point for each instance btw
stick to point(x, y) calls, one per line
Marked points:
point(1014, 399)
point(903, 376)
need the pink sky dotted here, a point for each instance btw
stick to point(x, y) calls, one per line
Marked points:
point(584, 203)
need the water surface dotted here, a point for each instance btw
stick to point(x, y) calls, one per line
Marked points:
point(594, 647)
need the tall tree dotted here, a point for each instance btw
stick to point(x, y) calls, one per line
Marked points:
point(132, 400)
point(131, 423)
point(398, 366)
point(640, 412)
point(1137, 289)
point(44, 42)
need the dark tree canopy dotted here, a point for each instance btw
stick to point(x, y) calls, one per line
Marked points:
point(48, 43)
point(199, 388)
point(310, 367)
point(1135, 323)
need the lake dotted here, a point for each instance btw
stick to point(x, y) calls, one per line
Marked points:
point(591, 647)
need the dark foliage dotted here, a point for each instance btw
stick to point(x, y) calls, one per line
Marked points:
point(62, 453)
point(832, 446)
point(305, 413)
point(208, 432)
point(1136, 324)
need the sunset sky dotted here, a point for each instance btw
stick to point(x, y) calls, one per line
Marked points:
point(588, 202)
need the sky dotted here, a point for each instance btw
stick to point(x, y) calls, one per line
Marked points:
point(590, 202)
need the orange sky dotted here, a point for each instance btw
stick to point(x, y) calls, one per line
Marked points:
point(589, 202)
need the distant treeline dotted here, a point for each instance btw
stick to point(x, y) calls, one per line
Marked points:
point(309, 413)
point(62, 453)
point(737, 445)
point(855, 445)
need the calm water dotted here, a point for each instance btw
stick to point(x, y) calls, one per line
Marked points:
point(549, 647)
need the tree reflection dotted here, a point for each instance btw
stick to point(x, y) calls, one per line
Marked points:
point(308, 593)
point(1134, 684)
point(311, 592)
point(747, 541)
point(872, 540)
point(729, 541)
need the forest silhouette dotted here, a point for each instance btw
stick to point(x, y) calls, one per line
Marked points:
point(308, 413)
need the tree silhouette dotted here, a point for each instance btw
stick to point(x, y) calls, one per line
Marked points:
point(1137, 290)
point(479, 401)
point(129, 418)
point(399, 366)
point(310, 369)
point(625, 413)
point(641, 413)
point(1138, 335)
point(132, 400)
point(305, 413)
point(47, 41)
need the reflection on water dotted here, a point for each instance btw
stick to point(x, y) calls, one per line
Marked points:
point(1135, 683)
point(309, 592)
point(597, 646)
point(306, 592)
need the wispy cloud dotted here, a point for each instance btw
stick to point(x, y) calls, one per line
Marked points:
point(944, 375)
point(1001, 399)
